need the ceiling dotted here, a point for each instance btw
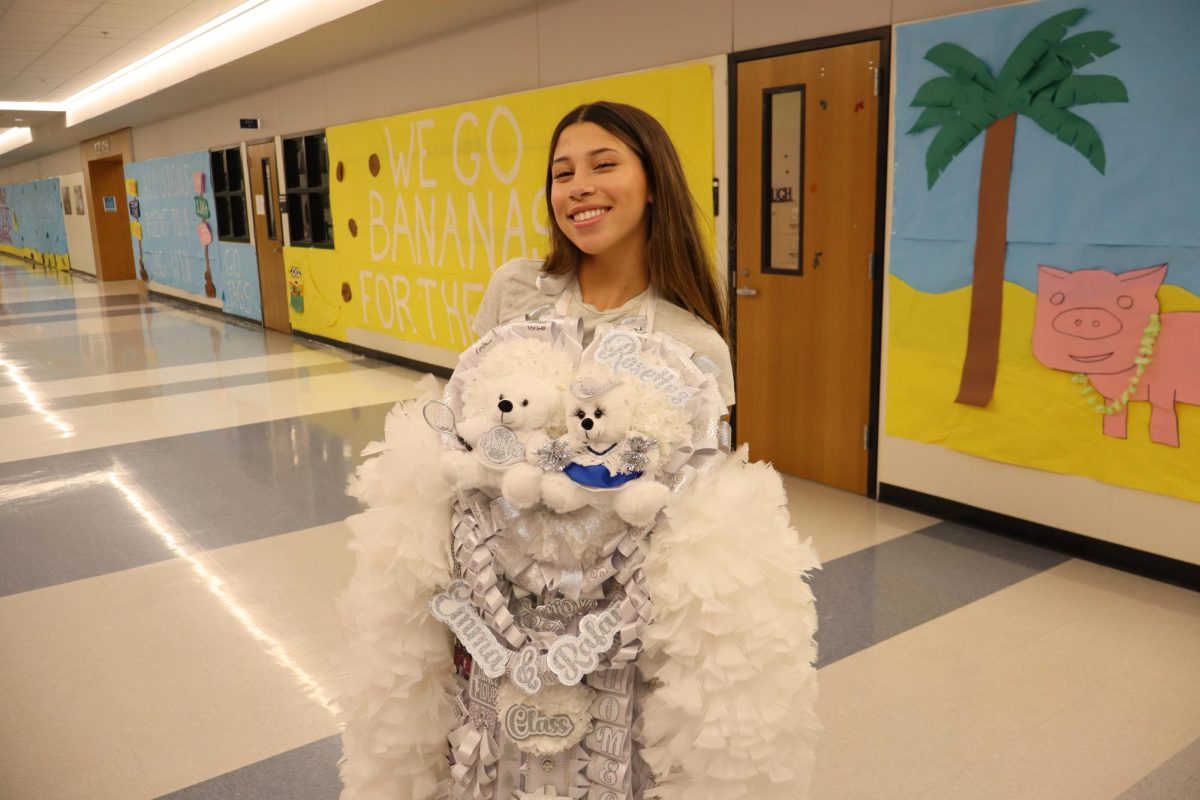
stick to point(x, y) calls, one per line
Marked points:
point(52, 49)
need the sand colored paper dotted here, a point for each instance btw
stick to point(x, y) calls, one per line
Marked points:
point(1037, 417)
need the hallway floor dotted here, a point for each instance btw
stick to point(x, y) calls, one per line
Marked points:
point(172, 543)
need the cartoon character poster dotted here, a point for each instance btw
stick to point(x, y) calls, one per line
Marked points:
point(1044, 287)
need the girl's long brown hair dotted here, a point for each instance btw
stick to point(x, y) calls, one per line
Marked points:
point(681, 268)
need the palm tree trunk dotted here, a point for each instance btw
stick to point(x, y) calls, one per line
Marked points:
point(987, 285)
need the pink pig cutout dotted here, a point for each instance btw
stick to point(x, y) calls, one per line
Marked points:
point(1092, 321)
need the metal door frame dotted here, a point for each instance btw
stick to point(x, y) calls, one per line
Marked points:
point(884, 37)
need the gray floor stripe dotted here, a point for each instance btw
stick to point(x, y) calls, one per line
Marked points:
point(189, 387)
point(306, 773)
point(62, 519)
point(875, 594)
point(65, 304)
point(1177, 778)
point(184, 341)
point(102, 313)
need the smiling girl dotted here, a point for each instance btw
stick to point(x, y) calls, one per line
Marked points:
point(625, 239)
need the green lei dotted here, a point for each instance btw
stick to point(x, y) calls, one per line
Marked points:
point(1145, 351)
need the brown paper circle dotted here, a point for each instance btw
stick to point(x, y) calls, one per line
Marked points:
point(353, 228)
point(346, 293)
point(373, 164)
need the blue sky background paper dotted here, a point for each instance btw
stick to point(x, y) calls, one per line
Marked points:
point(171, 247)
point(37, 206)
point(1146, 208)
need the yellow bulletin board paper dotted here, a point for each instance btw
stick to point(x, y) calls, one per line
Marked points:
point(426, 205)
point(1038, 417)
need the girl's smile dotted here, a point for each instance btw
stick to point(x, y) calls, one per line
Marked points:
point(599, 193)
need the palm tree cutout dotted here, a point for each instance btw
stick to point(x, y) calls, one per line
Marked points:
point(1038, 81)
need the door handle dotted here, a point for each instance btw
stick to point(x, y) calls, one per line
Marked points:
point(746, 291)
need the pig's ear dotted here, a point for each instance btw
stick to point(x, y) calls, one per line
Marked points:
point(1052, 272)
point(1147, 278)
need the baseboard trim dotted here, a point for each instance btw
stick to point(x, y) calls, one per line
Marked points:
point(1109, 554)
point(419, 366)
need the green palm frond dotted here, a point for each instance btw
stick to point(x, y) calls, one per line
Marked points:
point(1079, 90)
point(1037, 43)
point(945, 92)
point(951, 139)
point(1037, 80)
point(1070, 129)
point(1050, 70)
point(961, 64)
point(934, 116)
point(1084, 48)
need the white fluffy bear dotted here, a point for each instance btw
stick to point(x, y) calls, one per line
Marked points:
point(511, 405)
point(610, 459)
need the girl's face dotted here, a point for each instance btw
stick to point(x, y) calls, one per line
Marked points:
point(599, 192)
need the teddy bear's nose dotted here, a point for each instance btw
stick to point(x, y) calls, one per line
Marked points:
point(587, 424)
point(505, 406)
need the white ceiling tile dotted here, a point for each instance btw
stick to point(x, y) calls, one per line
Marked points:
point(18, 37)
point(58, 6)
point(106, 32)
point(17, 17)
point(119, 11)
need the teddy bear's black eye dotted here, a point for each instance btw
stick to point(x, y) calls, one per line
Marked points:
point(524, 402)
point(579, 413)
point(599, 413)
point(501, 397)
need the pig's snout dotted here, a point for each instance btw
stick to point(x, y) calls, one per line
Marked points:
point(1088, 323)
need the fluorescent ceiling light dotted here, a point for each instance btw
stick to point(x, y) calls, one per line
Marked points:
point(20, 105)
point(13, 138)
point(196, 33)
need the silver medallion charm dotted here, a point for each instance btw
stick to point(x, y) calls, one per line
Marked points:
point(499, 445)
point(553, 456)
point(635, 458)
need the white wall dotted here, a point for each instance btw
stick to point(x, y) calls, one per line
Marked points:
point(79, 229)
point(59, 163)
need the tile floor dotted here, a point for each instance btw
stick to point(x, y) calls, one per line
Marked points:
point(171, 544)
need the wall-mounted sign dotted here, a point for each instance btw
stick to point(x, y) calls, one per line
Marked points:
point(249, 123)
point(101, 146)
point(110, 203)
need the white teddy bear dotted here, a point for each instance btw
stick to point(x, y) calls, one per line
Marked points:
point(503, 427)
point(610, 461)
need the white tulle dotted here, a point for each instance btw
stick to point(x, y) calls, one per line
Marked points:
point(730, 649)
point(396, 675)
point(731, 643)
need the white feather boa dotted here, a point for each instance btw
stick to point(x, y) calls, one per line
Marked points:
point(394, 698)
point(731, 643)
point(730, 649)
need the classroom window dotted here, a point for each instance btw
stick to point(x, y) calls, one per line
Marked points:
point(229, 190)
point(306, 177)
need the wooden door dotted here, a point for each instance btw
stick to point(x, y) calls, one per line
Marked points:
point(111, 220)
point(268, 235)
point(805, 236)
